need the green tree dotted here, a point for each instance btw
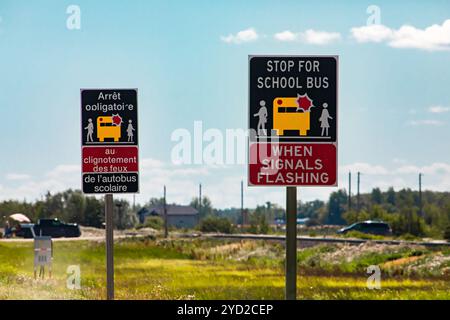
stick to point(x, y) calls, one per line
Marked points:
point(390, 196)
point(94, 212)
point(376, 196)
point(336, 207)
point(206, 208)
point(447, 233)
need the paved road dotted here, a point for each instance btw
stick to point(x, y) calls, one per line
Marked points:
point(435, 243)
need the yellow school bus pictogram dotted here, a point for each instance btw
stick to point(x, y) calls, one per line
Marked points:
point(288, 116)
point(107, 129)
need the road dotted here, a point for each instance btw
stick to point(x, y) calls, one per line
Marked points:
point(306, 239)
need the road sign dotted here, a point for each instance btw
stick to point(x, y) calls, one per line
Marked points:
point(293, 114)
point(109, 140)
point(43, 254)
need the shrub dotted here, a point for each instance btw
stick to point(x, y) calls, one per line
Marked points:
point(216, 224)
point(447, 233)
point(153, 222)
point(362, 235)
point(263, 225)
point(408, 237)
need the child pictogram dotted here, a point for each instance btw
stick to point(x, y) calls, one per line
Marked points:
point(130, 130)
point(324, 124)
point(262, 116)
point(90, 131)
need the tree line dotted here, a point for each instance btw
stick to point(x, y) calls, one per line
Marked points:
point(402, 209)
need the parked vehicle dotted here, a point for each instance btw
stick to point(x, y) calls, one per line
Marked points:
point(25, 230)
point(49, 227)
point(372, 227)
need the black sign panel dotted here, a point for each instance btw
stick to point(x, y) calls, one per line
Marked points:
point(100, 183)
point(109, 117)
point(109, 141)
point(293, 98)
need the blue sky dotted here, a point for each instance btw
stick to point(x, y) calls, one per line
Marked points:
point(393, 92)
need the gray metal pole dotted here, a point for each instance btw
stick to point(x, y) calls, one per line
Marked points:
point(349, 191)
point(420, 195)
point(109, 207)
point(166, 224)
point(291, 243)
point(199, 199)
point(358, 204)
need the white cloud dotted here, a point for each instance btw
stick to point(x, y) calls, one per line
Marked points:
point(425, 123)
point(432, 38)
point(310, 36)
point(17, 176)
point(438, 109)
point(437, 168)
point(246, 35)
point(367, 168)
point(63, 171)
point(372, 33)
point(320, 37)
point(286, 35)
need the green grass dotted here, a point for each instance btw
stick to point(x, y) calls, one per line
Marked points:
point(204, 269)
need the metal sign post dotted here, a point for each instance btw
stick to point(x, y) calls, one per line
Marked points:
point(109, 206)
point(291, 243)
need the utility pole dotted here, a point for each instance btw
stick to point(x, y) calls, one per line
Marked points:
point(166, 226)
point(358, 203)
point(349, 191)
point(199, 199)
point(242, 203)
point(134, 202)
point(420, 195)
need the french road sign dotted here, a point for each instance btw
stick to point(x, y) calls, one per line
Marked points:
point(109, 141)
point(293, 116)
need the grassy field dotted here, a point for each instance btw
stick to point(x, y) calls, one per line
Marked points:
point(219, 269)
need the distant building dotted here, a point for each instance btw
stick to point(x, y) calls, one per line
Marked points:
point(177, 216)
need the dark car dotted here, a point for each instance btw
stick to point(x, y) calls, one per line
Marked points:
point(49, 227)
point(372, 227)
point(56, 229)
point(25, 230)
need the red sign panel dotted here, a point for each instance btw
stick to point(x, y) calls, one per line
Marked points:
point(110, 159)
point(292, 164)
